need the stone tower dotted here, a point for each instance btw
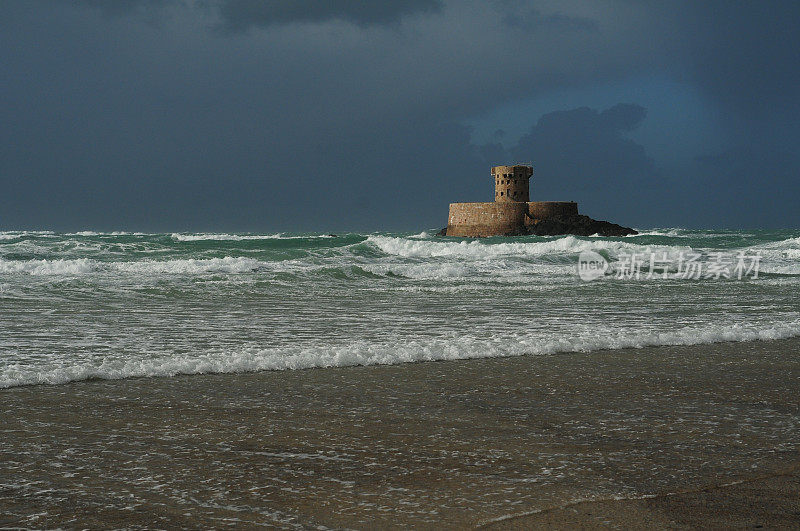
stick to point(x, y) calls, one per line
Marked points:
point(511, 183)
point(512, 211)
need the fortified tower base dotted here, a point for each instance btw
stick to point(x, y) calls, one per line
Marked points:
point(543, 218)
point(501, 219)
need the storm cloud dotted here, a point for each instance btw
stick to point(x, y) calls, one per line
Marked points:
point(585, 155)
point(244, 14)
point(245, 115)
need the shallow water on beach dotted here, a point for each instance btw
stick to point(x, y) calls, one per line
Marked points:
point(451, 444)
point(116, 305)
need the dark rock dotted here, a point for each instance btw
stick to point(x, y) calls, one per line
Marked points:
point(577, 225)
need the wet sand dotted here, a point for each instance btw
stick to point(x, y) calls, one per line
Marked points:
point(655, 437)
point(771, 502)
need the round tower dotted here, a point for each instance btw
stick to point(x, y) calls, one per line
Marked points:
point(511, 183)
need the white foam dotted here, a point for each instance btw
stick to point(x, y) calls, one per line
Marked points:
point(789, 246)
point(480, 250)
point(241, 237)
point(673, 233)
point(782, 257)
point(231, 237)
point(82, 266)
point(113, 233)
point(11, 234)
point(498, 270)
point(47, 267)
point(789, 242)
point(399, 350)
point(227, 264)
point(793, 269)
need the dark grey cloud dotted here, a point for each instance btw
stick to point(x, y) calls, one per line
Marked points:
point(241, 15)
point(245, 14)
point(746, 54)
point(621, 117)
point(584, 155)
point(127, 7)
point(524, 17)
point(747, 183)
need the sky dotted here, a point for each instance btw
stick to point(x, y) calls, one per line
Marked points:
point(259, 115)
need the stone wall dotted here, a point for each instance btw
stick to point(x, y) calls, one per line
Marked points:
point(486, 219)
point(502, 218)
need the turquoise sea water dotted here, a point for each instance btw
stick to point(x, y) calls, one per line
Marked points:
point(115, 305)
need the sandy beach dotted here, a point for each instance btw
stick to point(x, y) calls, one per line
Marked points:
point(655, 437)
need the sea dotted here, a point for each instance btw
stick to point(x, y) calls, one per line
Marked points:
point(117, 305)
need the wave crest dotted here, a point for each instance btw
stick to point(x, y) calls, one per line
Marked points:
point(253, 358)
point(82, 266)
point(479, 250)
point(242, 237)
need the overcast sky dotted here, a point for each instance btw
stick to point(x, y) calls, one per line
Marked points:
point(256, 115)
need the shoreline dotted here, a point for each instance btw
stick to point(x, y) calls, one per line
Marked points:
point(269, 365)
point(495, 442)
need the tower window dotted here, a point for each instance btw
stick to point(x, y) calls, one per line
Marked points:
point(501, 193)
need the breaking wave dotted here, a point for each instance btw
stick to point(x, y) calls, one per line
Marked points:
point(242, 237)
point(82, 266)
point(401, 350)
point(480, 250)
point(47, 267)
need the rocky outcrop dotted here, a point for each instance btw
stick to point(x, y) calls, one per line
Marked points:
point(577, 225)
